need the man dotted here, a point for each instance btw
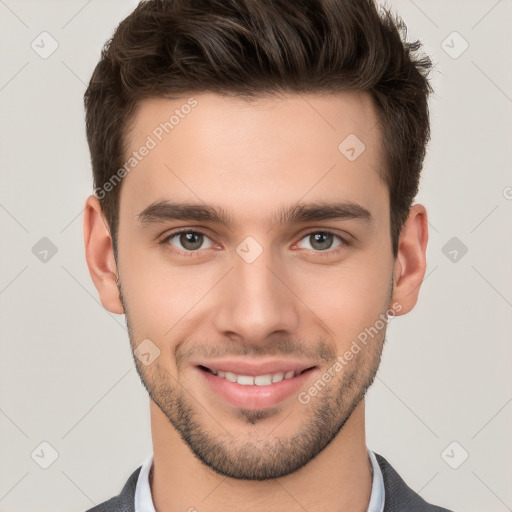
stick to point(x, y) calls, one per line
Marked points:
point(255, 164)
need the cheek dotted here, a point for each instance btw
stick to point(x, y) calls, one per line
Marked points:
point(146, 288)
point(160, 297)
point(352, 297)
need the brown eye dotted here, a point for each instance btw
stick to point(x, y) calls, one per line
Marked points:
point(322, 240)
point(187, 241)
point(191, 241)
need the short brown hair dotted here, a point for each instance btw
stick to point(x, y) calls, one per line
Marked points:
point(251, 48)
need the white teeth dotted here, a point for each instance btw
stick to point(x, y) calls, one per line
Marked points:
point(245, 380)
point(259, 380)
point(230, 376)
point(262, 380)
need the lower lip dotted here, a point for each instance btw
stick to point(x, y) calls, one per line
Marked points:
point(255, 397)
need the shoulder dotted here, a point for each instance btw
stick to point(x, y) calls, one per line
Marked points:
point(124, 501)
point(399, 497)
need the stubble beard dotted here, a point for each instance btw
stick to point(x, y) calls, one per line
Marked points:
point(275, 455)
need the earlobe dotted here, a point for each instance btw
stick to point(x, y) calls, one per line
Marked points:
point(100, 255)
point(411, 261)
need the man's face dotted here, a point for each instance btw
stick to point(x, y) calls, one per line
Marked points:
point(264, 294)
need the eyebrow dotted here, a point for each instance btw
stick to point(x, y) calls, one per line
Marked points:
point(162, 211)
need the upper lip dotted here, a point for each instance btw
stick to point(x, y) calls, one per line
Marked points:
point(254, 368)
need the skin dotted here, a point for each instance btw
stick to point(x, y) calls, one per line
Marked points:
point(297, 300)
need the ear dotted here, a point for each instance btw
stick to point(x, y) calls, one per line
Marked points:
point(411, 261)
point(100, 255)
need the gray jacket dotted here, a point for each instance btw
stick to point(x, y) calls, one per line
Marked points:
point(398, 496)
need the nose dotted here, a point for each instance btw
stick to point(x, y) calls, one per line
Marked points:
point(256, 301)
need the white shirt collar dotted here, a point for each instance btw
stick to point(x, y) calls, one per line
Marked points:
point(144, 501)
point(377, 496)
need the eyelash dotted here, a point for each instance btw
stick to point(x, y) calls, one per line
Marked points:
point(191, 254)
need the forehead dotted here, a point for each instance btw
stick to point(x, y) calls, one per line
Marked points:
point(254, 156)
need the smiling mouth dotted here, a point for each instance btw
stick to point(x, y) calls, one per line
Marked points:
point(255, 380)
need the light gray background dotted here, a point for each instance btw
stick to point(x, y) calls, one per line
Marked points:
point(67, 377)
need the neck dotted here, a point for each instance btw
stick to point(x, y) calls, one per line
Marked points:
point(338, 478)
